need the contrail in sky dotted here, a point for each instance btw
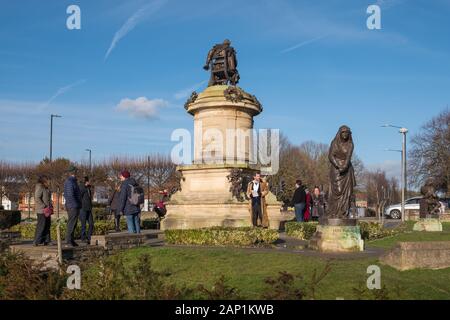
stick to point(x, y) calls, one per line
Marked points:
point(132, 22)
point(304, 43)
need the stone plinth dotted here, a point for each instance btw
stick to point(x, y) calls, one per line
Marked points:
point(428, 224)
point(122, 240)
point(223, 144)
point(336, 235)
point(413, 255)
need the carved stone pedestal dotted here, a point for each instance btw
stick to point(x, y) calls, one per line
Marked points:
point(337, 235)
point(428, 224)
point(213, 187)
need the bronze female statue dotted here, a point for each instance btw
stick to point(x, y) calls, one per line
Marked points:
point(342, 175)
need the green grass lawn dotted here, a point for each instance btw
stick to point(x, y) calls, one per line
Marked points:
point(246, 270)
point(410, 235)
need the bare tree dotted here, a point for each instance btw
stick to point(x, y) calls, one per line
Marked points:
point(429, 156)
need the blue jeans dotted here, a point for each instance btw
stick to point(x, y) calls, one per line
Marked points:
point(299, 207)
point(134, 223)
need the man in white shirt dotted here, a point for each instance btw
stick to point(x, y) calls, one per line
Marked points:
point(254, 193)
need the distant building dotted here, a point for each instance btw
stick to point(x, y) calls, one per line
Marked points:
point(8, 204)
point(361, 200)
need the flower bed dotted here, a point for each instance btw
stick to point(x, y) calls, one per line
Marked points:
point(101, 227)
point(222, 236)
point(300, 230)
point(370, 230)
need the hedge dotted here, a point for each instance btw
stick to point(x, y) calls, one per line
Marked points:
point(222, 236)
point(370, 230)
point(101, 227)
point(9, 218)
point(300, 230)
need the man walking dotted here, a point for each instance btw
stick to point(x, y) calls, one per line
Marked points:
point(256, 192)
point(86, 210)
point(299, 200)
point(72, 195)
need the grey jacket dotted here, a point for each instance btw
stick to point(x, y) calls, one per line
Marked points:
point(42, 198)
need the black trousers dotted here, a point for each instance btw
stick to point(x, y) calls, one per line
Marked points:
point(86, 216)
point(256, 211)
point(42, 229)
point(72, 224)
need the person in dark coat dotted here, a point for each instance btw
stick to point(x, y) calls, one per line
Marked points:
point(42, 200)
point(299, 200)
point(114, 207)
point(86, 210)
point(317, 204)
point(130, 211)
point(72, 195)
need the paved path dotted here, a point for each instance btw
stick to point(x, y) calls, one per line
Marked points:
point(284, 244)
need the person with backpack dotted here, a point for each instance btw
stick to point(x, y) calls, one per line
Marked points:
point(131, 197)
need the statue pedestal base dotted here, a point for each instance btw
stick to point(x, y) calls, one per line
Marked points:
point(337, 235)
point(428, 224)
point(205, 200)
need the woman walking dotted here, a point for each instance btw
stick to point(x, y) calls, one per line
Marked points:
point(43, 207)
point(317, 204)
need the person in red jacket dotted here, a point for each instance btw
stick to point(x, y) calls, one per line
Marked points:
point(307, 212)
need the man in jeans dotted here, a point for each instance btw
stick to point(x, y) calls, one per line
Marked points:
point(129, 210)
point(72, 195)
point(299, 200)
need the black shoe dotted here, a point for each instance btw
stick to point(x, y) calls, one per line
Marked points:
point(35, 244)
point(45, 243)
point(74, 244)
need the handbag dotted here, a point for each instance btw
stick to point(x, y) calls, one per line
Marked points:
point(48, 211)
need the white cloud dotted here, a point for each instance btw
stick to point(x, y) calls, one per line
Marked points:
point(142, 107)
point(132, 21)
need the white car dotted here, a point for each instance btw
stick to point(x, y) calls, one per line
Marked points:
point(395, 211)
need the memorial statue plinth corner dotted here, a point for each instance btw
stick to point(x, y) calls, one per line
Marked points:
point(430, 224)
point(337, 235)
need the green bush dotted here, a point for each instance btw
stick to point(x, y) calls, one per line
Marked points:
point(101, 227)
point(24, 279)
point(301, 230)
point(9, 218)
point(100, 213)
point(369, 230)
point(222, 236)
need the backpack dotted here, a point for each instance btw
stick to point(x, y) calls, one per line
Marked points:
point(160, 209)
point(137, 195)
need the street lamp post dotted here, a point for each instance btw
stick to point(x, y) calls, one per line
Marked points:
point(90, 160)
point(51, 134)
point(403, 131)
point(58, 227)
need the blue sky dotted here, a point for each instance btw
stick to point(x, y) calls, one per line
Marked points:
point(313, 65)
